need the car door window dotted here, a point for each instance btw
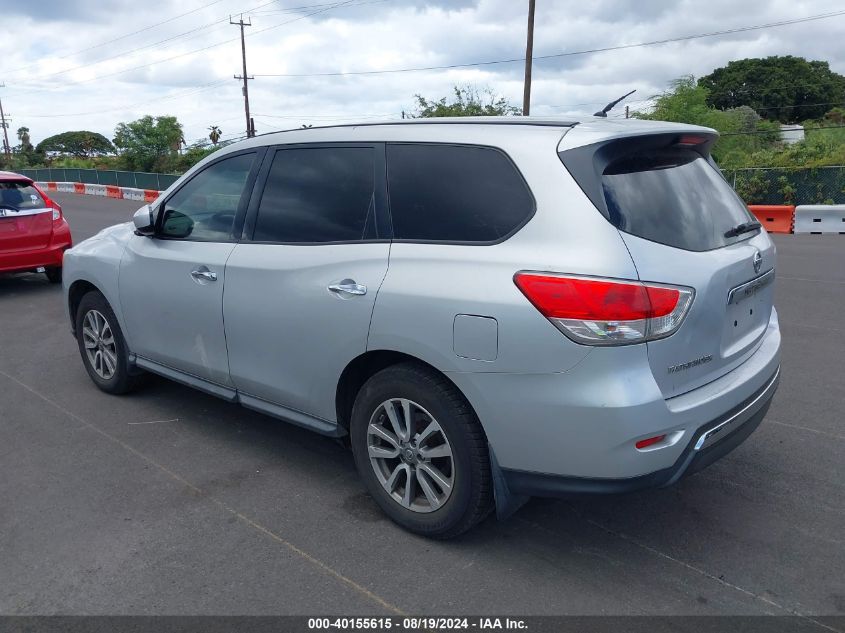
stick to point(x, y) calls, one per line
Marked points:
point(204, 209)
point(454, 193)
point(318, 195)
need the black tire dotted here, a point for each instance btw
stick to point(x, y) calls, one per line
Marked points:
point(124, 379)
point(471, 498)
point(54, 275)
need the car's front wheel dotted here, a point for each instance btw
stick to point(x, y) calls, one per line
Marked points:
point(102, 346)
point(421, 451)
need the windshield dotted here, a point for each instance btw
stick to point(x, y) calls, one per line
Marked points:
point(674, 197)
point(20, 195)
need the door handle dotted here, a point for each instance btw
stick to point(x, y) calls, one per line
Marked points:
point(203, 274)
point(349, 287)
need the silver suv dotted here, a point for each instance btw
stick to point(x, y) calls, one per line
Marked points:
point(490, 309)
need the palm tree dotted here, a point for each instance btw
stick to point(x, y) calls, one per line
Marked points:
point(215, 134)
point(23, 137)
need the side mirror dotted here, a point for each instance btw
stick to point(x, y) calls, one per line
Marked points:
point(144, 221)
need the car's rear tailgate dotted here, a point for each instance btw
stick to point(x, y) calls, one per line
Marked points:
point(716, 336)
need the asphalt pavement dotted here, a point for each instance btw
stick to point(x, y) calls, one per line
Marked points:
point(169, 501)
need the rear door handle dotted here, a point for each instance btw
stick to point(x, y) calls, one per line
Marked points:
point(349, 287)
point(203, 274)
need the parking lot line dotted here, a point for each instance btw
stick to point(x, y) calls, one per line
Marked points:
point(805, 428)
point(221, 504)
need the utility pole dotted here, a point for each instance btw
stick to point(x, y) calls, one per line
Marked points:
point(250, 126)
point(529, 54)
point(7, 149)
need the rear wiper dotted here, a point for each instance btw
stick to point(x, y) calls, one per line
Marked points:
point(745, 227)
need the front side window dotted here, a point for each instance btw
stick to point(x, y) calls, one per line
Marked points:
point(454, 193)
point(204, 209)
point(320, 194)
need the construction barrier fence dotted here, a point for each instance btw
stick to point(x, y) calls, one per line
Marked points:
point(133, 179)
point(109, 191)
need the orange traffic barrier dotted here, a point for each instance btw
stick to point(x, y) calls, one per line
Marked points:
point(150, 195)
point(79, 187)
point(112, 191)
point(51, 186)
point(777, 218)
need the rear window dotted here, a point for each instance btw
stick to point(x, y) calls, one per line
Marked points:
point(455, 193)
point(20, 195)
point(674, 197)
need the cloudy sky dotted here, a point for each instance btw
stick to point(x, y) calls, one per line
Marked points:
point(89, 64)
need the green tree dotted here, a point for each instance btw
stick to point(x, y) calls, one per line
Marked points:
point(786, 89)
point(214, 134)
point(81, 144)
point(468, 101)
point(144, 141)
point(25, 146)
point(176, 163)
point(743, 131)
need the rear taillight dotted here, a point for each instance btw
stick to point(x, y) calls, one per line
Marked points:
point(52, 204)
point(606, 311)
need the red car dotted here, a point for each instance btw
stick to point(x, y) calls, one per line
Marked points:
point(33, 232)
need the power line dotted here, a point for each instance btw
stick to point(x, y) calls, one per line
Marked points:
point(147, 46)
point(565, 54)
point(806, 129)
point(178, 95)
point(326, 117)
point(125, 35)
point(798, 105)
point(199, 50)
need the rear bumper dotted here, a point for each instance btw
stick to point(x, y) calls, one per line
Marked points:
point(49, 257)
point(28, 260)
point(583, 424)
point(710, 442)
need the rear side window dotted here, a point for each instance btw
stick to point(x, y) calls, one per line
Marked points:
point(455, 193)
point(674, 197)
point(323, 194)
point(19, 195)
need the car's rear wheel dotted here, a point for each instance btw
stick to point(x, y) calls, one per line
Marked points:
point(54, 275)
point(421, 451)
point(102, 346)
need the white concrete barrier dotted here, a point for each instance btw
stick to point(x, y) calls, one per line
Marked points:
point(130, 193)
point(820, 218)
point(95, 190)
point(126, 193)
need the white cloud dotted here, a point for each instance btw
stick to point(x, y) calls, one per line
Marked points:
point(50, 90)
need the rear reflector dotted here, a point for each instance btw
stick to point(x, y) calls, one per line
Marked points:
point(606, 311)
point(650, 441)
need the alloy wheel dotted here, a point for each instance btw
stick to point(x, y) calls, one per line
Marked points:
point(100, 347)
point(410, 455)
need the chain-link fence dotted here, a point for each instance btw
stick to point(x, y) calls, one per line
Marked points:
point(136, 179)
point(771, 185)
